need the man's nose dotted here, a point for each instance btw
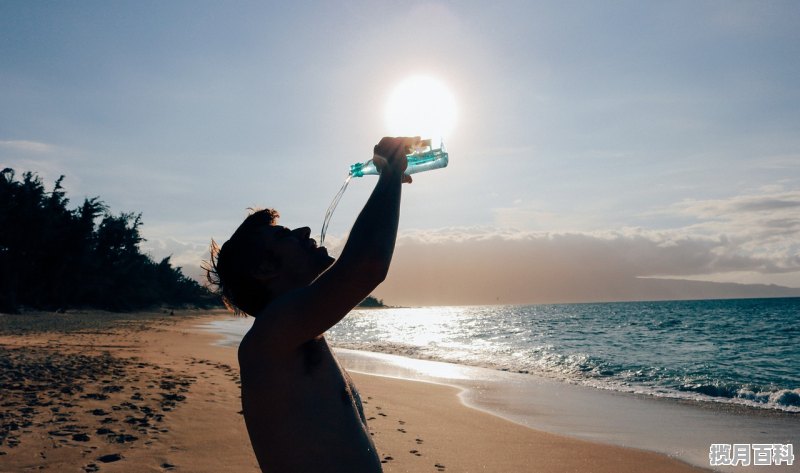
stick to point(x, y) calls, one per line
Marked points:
point(303, 232)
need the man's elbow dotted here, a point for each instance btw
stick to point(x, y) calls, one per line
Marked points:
point(363, 272)
point(374, 273)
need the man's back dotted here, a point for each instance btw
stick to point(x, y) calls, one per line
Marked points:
point(302, 412)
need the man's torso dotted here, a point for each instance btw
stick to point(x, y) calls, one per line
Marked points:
point(302, 411)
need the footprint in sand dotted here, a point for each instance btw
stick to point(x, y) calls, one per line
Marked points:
point(110, 458)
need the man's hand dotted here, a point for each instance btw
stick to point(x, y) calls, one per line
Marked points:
point(390, 154)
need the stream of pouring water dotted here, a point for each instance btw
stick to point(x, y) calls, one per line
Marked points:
point(331, 208)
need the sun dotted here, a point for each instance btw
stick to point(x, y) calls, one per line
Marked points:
point(421, 106)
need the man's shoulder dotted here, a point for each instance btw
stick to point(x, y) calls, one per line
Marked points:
point(263, 342)
point(257, 339)
point(258, 358)
point(260, 332)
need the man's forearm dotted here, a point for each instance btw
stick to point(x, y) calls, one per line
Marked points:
point(372, 238)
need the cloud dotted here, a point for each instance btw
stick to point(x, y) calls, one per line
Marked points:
point(759, 225)
point(751, 234)
point(740, 237)
point(47, 161)
point(635, 252)
point(740, 206)
point(474, 267)
point(186, 254)
point(27, 146)
point(777, 162)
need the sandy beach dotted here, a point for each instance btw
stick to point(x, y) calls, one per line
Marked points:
point(158, 395)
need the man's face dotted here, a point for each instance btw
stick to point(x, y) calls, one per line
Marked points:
point(299, 259)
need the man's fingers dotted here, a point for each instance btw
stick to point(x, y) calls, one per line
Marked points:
point(411, 143)
point(389, 146)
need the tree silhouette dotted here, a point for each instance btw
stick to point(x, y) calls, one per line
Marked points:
point(55, 258)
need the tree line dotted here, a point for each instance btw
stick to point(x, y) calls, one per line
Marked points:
point(55, 258)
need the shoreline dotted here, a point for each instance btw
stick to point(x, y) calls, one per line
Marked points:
point(233, 329)
point(398, 368)
point(624, 419)
point(671, 427)
point(426, 419)
point(172, 404)
point(774, 401)
point(461, 423)
point(737, 405)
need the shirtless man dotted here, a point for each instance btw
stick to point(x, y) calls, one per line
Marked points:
point(302, 411)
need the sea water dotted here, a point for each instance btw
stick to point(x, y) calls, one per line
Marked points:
point(735, 351)
point(744, 351)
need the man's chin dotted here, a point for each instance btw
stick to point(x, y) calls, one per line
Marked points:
point(325, 259)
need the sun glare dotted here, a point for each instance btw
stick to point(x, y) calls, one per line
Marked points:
point(421, 105)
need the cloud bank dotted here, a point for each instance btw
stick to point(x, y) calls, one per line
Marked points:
point(27, 146)
point(482, 267)
point(755, 235)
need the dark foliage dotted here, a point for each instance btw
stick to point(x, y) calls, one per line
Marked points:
point(371, 301)
point(55, 258)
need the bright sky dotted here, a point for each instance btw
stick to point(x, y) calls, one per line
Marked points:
point(593, 139)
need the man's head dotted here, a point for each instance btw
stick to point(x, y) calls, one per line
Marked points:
point(263, 260)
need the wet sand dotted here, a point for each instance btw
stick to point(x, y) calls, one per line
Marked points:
point(159, 396)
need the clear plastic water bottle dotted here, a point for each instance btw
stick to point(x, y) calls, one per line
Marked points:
point(424, 158)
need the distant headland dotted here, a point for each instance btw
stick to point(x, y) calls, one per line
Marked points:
point(371, 302)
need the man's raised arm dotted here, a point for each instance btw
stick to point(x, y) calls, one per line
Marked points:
point(307, 312)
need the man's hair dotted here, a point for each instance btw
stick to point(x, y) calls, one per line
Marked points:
point(231, 268)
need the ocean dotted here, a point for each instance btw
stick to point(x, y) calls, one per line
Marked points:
point(672, 377)
point(741, 351)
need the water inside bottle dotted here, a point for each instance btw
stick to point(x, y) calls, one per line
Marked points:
point(331, 208)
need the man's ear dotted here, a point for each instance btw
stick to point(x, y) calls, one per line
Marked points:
point(267, 271)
